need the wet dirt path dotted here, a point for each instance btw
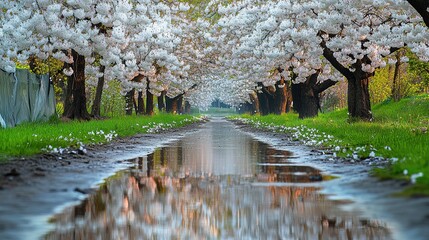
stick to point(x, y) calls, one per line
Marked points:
point(217, 182)
point(46, 185)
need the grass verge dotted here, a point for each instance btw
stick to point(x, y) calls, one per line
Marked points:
point(55, 136)
point(398, 133)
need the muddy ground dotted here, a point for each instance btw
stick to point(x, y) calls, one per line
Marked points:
point(34, 188)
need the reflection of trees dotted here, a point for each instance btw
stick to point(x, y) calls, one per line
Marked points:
point(172, 193)
point(137, 206)
point(284, 172)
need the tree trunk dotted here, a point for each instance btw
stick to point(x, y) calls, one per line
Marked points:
point(308, 98)
point(359, 104)
point(396, 91)
point(270, 92)
point(264, 108)
point(180, 104)
point(140, 103)
point(77, 109)
point(149, 100)
point(161, 104)
point(168, 104)
point(171, 105)
point(174, 106)
point(96, 106)
point(68, 93)
point(129, 102)
point(296, 96)
point(63, 86)
point(280, 97)
point(289, 98)
point(187, 108)
point(307, 95)
point(309, 102)
point(255, 102)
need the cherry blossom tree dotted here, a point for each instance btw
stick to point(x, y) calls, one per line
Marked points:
point(115, 39)
point(272, 34)
point(353, 36)
point(255, 51)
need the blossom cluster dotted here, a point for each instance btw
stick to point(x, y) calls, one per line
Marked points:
point(74, 144)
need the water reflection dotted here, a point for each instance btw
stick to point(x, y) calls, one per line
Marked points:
point(203, 187)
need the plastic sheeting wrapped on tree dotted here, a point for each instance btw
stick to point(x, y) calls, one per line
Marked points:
point(25, 97)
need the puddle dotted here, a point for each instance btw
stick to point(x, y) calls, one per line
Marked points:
point(216, 183)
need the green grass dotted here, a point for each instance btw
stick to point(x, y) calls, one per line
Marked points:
point(33, 138)
point(399, 132)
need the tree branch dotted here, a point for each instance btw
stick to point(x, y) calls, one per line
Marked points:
point(324, 85)
point(329, 55)
point(265, 90)
point(180, 95)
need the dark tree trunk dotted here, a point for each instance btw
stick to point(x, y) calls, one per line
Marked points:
point(63, 86)
point(289, 98)
point(280, 97)
point(264, 107)
point(96, 106)
point(307, 95)
point(310, 104)
point(129, 102)
point(161, 104)
point(296, 96)
point(309, 99)
point(77, 109)
point(149, 100)
point(245, 108)
point(168, 104)
point(422, 8)
point(187, 108)
point(255, 103)
point(68, 93)
point(305, 100)
point(180, 104)
point(171, 105)
point(359, 104)
point(270, 92)
point(396, 91)
point(175, 105)
point(140, 103)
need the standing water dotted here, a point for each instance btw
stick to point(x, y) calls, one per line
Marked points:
point(215, 183)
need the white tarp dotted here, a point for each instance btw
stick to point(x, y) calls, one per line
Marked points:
point(25, 97)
